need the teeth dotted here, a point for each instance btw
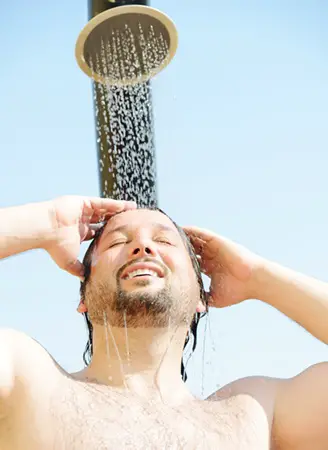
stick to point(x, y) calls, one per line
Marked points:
point(140, 272)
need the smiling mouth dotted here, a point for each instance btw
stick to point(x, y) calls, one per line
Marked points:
point(141, 273)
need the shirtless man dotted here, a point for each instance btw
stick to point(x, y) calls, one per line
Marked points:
point(140, 292)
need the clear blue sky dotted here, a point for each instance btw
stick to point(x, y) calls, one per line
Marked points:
point(241, 141)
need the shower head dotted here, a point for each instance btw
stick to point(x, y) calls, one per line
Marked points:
point(126, 45)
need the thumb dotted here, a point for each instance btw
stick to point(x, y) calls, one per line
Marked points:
point(72, 266)
point(75, 268)
point(65, 256)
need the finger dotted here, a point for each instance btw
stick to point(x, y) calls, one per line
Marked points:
point(75, 268)
point(198, 244)
point(90, 235)
point(100, 216)
point(199, 233)
point(108, 205)
point(204, 266)
point(99, 209)
point(96, 226)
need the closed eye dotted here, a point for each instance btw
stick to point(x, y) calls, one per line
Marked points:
point(115, 243)
point(163, 241)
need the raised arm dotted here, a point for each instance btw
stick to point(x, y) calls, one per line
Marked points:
point(298, 407)
point(58, 226)
point(301, 298)
point(238, 274)
point(25, 228)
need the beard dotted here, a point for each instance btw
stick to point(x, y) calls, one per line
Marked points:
point(141, 308)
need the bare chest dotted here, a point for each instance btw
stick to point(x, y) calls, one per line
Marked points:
point(90, 418)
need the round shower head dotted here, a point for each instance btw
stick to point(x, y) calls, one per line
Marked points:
point(126, 45)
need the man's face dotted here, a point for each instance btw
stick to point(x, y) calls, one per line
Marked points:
point(141, 273)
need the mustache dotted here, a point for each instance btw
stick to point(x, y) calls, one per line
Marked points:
point(142, 260)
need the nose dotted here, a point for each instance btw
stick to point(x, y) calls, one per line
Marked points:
point(142, 249)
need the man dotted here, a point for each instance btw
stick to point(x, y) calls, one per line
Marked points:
point(140, 292)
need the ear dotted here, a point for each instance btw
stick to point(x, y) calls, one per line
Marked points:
point(200, 308)
point(82, 308)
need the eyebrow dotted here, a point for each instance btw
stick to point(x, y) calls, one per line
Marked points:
point(125, 228)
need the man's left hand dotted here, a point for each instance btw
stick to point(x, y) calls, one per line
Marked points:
point(231, 267)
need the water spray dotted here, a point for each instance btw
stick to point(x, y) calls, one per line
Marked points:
point(124, 45)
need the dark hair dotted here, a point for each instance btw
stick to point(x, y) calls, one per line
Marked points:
point(87, 355)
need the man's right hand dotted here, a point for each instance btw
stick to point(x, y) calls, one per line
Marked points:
point(72, 218)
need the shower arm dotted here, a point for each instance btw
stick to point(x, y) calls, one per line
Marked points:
point(96, 7)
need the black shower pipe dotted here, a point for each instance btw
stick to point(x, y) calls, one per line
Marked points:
point(107, 174)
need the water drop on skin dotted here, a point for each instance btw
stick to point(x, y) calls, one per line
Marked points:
point(94, 259)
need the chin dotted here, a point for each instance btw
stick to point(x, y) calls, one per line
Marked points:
point(143, 284)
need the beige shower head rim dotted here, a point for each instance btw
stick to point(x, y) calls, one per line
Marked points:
point(160, 20)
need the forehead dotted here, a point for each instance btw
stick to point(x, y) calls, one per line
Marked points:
point(140, 218)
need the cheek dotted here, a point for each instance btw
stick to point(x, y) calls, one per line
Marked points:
point(172, 260)
point(181, 267)
point(107, 263)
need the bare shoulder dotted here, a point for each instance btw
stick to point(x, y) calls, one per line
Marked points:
point(17, 342)
point(301, 410)
point(256, 391)
point(29, 381)
point(249, 404)
point(23, 363)
point(295, 410)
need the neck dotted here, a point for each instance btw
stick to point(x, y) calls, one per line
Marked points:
point(143, 360)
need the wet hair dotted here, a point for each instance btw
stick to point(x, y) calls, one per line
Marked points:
point(87, 355)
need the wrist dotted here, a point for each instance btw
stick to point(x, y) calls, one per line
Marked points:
point(25, 227)
point(261, 281)
point(48, 227)
point(40, 220)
